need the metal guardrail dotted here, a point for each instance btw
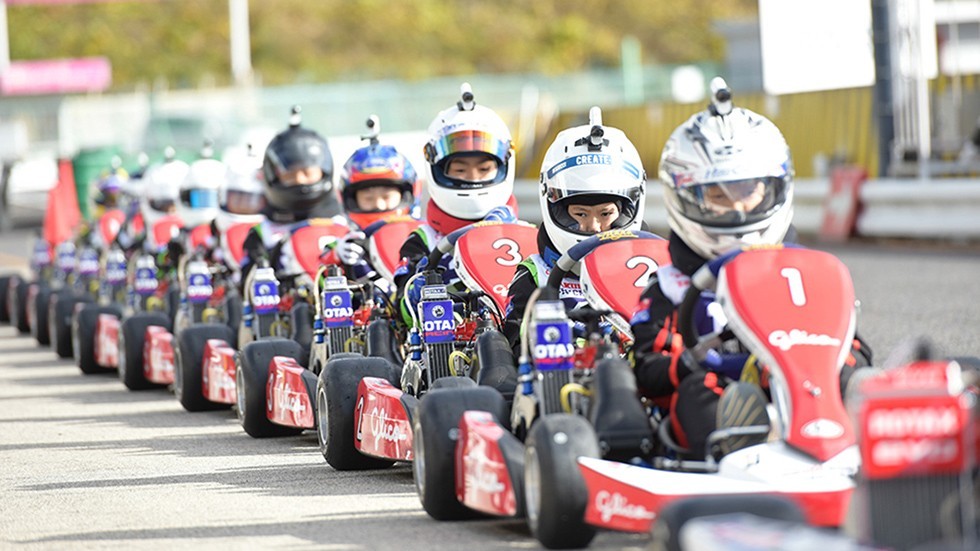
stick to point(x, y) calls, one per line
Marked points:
point(933, 209)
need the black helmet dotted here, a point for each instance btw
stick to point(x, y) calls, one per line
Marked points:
point(297, 148)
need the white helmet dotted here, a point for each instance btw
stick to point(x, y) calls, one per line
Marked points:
point(161, 189)
point(590, 164)
point(467, 129)
point(242, 196)
point(728, 178)
point(199, 192)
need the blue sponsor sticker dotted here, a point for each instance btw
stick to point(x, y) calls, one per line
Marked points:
point(199, 288)
point(265, 297)
point(146, 281)
point(438, 324)
point(115, 272)
point(88, 263)
point(337, 309)
point(553, 348)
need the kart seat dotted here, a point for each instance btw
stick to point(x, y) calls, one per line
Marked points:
point(497, 368)
point(620, 420)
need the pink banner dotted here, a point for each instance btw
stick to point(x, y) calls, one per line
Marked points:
point(56, 76)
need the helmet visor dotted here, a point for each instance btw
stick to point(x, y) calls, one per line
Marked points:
point(162, 205)
point(199, 198)
point(733, 203)
point(469, 141)
point(244, 202)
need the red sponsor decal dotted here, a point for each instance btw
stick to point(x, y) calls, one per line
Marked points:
point(381, 426)
point(618, 506)
point(218, 372)
point(287, 402)
point(482, 480)
point(107, 341)
point(158, 355)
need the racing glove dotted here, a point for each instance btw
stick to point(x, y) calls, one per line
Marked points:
point(501, 214)
point(348, 250)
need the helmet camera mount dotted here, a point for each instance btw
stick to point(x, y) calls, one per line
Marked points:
point(721, 97)
point(595, 138)
point(467, 100)
point(373, 124)
point(295, 116)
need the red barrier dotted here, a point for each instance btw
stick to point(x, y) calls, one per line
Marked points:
point(842, 204)
point(62, 215)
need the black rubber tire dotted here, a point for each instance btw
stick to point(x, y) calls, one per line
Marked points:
point(434, 440)
point(172, 303)
point(301, 327)
point(498, 370)
point(132, 334)
point(453, 382)
point(40, 305)
point(381, 342)
point(252, 371)
point(233, 313)
point(336, 396)
point(4, 285)
point(83, 335)
point(60, 312)
point(189, 361)
point(17, 306)
point(556, 506)
point(674, 516)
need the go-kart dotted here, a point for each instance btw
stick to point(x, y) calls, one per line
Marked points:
point(482, 468)
point(211, 309)
point(83, 283)
point(272, 386)
point(152, 302)
point(39, 293)
point(794, 310)
point(17, 287)
point(365, 406)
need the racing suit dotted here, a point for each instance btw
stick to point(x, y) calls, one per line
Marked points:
point(690, 395)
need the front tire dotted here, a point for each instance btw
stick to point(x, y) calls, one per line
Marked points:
point(251, 375)
point(554, 490)
point(132, 336)
point(434, 441)
point(189, 361)
point(336, 397)
point(60, 313)
point(17, 305)
point(4, 298)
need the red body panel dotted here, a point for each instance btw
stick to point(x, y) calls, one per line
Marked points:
point(158, 355)
point(384, 245)
point(107, 341)
point(218, 372)
point(200, 236)
point(110, 223)
point(308, 242)
point(381, 425)
point(489, 255)
point(620, 270)
point(166, 228)
point(482, 479)
point(615, 505)
point(912, 424)
point(806, 326)
point(234, 237)
point(287, 402)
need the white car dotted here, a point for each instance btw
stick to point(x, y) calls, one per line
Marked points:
point(24, 189)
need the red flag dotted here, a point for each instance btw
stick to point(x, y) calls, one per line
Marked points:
point(62, 215)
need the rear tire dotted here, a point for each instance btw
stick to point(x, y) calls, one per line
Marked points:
point(434, 441)
point(60, 313)
point(555, 492)
point(17, 305)
point(132, 335)
point(336, 397)
point(39, 330)
point(251, 375)
point(4, 294)
point(83, 335)
point(189, 362)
